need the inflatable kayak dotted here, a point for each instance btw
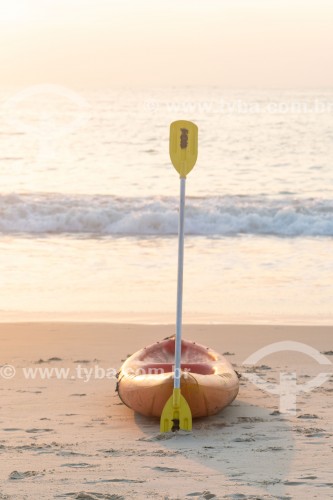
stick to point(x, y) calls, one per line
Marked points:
point(208, 381)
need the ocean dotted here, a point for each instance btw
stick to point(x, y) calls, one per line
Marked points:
point(89, 205)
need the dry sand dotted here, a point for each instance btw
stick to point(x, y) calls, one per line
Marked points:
point(72, 438)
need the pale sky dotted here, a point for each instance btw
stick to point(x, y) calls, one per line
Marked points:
point(232, 43)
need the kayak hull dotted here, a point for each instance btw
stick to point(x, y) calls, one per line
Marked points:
point(208, 381)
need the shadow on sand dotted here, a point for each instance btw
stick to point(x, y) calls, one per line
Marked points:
point(246, 445)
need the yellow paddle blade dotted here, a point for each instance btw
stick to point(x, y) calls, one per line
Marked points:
point(176, 414)
point(183, 146)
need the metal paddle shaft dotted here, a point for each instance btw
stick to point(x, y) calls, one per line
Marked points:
point(178, 345)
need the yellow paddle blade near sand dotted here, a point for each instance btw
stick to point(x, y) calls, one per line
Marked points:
point(183, 146)
point(176, 414)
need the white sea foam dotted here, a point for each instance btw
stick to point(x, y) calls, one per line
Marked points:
point(214, 216)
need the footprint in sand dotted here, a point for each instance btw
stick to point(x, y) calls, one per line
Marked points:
point(240, 496)
point(34, 430)
point(312, 432)
point(81, 465)
point(165, 436)
point(248, 439)
point(29, 392)
point(40, 361)
point(204, 495)
point(16, 475)
point(218, 425)
point(116, 480)
point(165, 469)
point(308, 416)
point(251, 419)
point(66, 453)
point(87, 495)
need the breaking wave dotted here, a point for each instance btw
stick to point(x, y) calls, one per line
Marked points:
point(215, 216)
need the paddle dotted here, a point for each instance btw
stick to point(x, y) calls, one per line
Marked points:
point(176, 413)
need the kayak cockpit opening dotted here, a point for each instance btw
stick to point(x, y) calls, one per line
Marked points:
point(159, 368)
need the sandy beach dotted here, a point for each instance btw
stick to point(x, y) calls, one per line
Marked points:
point(65, 434)
point(105, 109)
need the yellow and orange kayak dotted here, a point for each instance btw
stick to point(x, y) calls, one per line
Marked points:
point(208, 380)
